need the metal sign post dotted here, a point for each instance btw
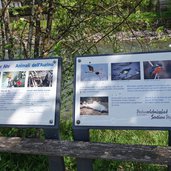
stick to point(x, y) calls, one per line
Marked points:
point(55, 163)
point(83, 164)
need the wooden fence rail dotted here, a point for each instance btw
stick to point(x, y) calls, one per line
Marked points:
point(107, 151)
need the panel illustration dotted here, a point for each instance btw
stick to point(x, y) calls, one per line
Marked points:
point(94, 106)
point(94, 72)
point(125, 71)
point(157, 69)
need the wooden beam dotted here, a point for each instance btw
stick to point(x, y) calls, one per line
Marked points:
point(107, 151)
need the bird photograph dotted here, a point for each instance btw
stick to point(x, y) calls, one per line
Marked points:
point(40, 78)
point(94, 72)
point(93, 105)
point(157, 69)
point(13, 79)
point(125, 71)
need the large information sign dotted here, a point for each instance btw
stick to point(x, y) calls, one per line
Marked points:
point(29, 92)
point(129, 90)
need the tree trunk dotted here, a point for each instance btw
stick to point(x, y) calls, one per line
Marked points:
point(37, 33)
point(47, 34)
point(31, 29)
point(2, 39)
point(9, 45)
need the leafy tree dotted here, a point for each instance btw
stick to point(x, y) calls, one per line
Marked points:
point(43, 28)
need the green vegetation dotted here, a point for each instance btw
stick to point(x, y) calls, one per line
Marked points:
point(68, 28)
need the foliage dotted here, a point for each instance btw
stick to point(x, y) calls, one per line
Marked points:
point(19, 162)
point(128, 137)
point(144, 20)
point(69, 28)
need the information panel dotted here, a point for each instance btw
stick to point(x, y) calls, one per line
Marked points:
point(129, 90)
point(28, 92)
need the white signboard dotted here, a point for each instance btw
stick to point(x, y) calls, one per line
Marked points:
point(130, 90)
point(28, 92)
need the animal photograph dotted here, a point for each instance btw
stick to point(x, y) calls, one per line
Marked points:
point(157, 69)
point(94, 106)
point(94, 72)
point(40, 78)
point(13, 79)
point(125, 71)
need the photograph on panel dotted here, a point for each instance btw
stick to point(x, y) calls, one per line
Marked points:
point(40, 78)
point(157, 69)
point(94, 72)
point(125, 71)
point(13, 79)
point(94, 105)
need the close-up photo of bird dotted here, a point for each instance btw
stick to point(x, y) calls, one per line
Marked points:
point(94, 106)
point(94, 72)
point(125, 71)
point(157, 69)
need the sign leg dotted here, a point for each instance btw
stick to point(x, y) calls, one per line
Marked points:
point(83, 164)
point(55, 163)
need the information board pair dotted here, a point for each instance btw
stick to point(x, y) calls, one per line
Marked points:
point(111, 91)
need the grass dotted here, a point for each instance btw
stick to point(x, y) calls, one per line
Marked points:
point(129, 137)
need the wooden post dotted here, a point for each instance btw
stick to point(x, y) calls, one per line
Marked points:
point(82, 163)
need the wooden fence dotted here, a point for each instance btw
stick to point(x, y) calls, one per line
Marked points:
point(89, 150)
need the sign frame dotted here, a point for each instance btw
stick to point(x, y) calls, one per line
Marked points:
point(57, 98)
point(87, 127)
